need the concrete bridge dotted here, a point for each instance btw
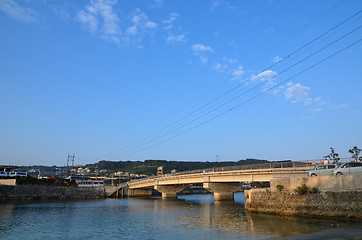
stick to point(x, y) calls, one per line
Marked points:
point(222, 182)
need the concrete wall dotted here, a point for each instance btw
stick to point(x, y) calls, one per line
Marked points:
point(8, 182)
point(323, 183)
point(346, 204)
point(139, 193)
point(49, 192)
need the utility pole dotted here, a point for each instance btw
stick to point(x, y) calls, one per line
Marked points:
point(70, 159)
point(66, 169)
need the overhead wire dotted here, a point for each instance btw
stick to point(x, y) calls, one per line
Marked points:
point(248, 100)
point(281, 43)
point(294, 34)
point(229, 91)
point(251, 89)
point(249, 79)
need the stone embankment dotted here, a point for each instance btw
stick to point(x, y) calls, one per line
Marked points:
point(25, 192)
point(327, 196)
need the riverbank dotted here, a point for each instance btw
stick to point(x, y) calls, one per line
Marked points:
point(326, 196)
point(347, 204)
point(35, 192)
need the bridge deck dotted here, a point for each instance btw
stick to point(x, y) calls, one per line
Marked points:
point(251, 175)
point(235, 174)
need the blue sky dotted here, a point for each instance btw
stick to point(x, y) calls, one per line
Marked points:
point(178, 80)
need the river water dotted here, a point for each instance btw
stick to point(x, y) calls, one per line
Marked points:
point(188, 217)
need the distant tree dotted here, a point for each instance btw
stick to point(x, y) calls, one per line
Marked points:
point(333, 156)
point(355, 151)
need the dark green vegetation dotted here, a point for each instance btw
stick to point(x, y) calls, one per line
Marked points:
point(304, 189)
point(280, 187)
point(149, 167)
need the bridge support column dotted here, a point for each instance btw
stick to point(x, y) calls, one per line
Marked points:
point(169, 191)
point(222, 191)
point(139, 192)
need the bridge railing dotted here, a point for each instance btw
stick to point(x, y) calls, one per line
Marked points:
point(271, 165)
point(281, 164)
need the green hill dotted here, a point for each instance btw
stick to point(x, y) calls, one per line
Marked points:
point(149, 167)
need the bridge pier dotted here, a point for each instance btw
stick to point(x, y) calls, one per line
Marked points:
point(169, 191)
point(222, 191)
point(139, 192)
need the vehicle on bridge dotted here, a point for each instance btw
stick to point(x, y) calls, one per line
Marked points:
point(348, 168)
point(322, 170)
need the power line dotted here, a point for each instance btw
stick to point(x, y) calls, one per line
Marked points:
point(291, 36)
point(250, 99)
point(282, 65)
point(247, 91)
point(294, 34)
point(228, 92)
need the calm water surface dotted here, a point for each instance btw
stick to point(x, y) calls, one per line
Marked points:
point(188, 217)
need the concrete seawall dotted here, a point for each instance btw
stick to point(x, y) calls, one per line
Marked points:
point(325, 204)
point(22, 192)
point(339, 196)
point(323, 183)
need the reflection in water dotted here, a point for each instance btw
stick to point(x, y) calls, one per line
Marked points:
point(285, 226)
point(189, 217)
point(6, 211)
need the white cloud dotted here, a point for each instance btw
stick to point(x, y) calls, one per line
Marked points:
point(203, 59)
point(220, 67)
point(237, 73)
point(275, 91)
point(17, 11)
point(269, 30)
point(177, 38)
point(229, 60)
point(141, 25)
point(62, 12)
point(175, 34)
point(267, 77)
point(198, 48)
point(201, 51)
point(308, 101)
point(233, 44)
point(99, 17)
point(88, 20)
point(317, 110)
point(277, 59)
point(133, 30)
point(150, 25)
point(221, 3)
point(169, 22)
point(157, 4)
point(264, 76)
point(319, 101)
point(296, 92)
point(339, 106)
point(215, 4)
